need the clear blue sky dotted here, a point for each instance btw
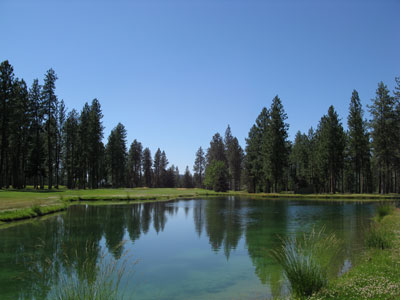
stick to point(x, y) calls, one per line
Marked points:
point(175, 72)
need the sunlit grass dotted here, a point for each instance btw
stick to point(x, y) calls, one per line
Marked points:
point(306, 260)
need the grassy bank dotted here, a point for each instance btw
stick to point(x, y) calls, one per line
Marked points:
point(377, 274)
point(29, 203)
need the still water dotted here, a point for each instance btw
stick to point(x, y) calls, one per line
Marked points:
point(215, 248)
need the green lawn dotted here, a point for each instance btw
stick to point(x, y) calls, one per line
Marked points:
point(17, 199)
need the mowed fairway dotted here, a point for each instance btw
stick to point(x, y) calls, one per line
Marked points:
point(18, 199)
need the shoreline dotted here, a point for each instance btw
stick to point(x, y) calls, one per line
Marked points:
point(37, 207)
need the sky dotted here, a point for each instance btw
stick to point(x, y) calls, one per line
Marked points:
point(175, 72)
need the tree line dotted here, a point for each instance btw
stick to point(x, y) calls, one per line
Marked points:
point(365, 158)
point(42, 144)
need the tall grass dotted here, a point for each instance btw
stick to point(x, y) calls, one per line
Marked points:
point(101, 280)
point(379, 237)
point(384, 210)
point(306, 260)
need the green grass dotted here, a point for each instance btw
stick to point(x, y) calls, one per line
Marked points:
point(29, 203)
point(306, 260)
point(26, 213)
point(377, 275)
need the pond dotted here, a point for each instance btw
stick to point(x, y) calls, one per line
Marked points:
point(214, 248)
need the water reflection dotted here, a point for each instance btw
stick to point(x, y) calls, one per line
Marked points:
point(31, 255)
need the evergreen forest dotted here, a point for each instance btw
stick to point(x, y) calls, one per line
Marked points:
point(44, 145)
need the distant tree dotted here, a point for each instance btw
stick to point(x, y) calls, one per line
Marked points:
point(187, 179)
point(358, 143)
point(330, 149)
point(84, 146)
point(235, 161)
point(216, 151)
point(147, 167)
point(116, 153)
point(234, 156)
point(257, 179)
point(19, 133)
point(216, 176)
point(6, 94)
point(169, 177)
point(384, 134)
point(163, 169)
point(157, 169)
point(199, 168)
point(36, 159)
point(95, 144)
point(135, 163)
point(274, 143)
point(299, 161)
point(50, 101)
point(58, 141)
point(71, 148)
point(177, 178)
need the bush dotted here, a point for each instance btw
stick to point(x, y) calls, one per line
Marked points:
point(306, 260)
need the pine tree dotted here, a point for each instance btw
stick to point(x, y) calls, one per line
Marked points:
point(216, 151)
point(6, 92)
point(19, 133)
point(177, 178)
point(135, 163)
point(274, 143)
point(330, 149)
point(50, 100)
point(71, 148)
point(163, 169)
point(187, 179)
point(199, 168)
point(234, 156)
point(84, 146)
point(116, 155)
point(358, 142)
point(384, 135)
point(157, 168)
point(36, 159)
point(95, 144)
point(216, 176)
point(60, 120)
point(147, 167)
point(254, 161)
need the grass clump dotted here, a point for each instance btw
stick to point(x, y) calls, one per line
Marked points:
point(101, 280)
point(379, 237)
point(306, 260)
point(385, 210)
point(36, 209)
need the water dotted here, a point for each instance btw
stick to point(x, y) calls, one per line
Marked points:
point(186, 249)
